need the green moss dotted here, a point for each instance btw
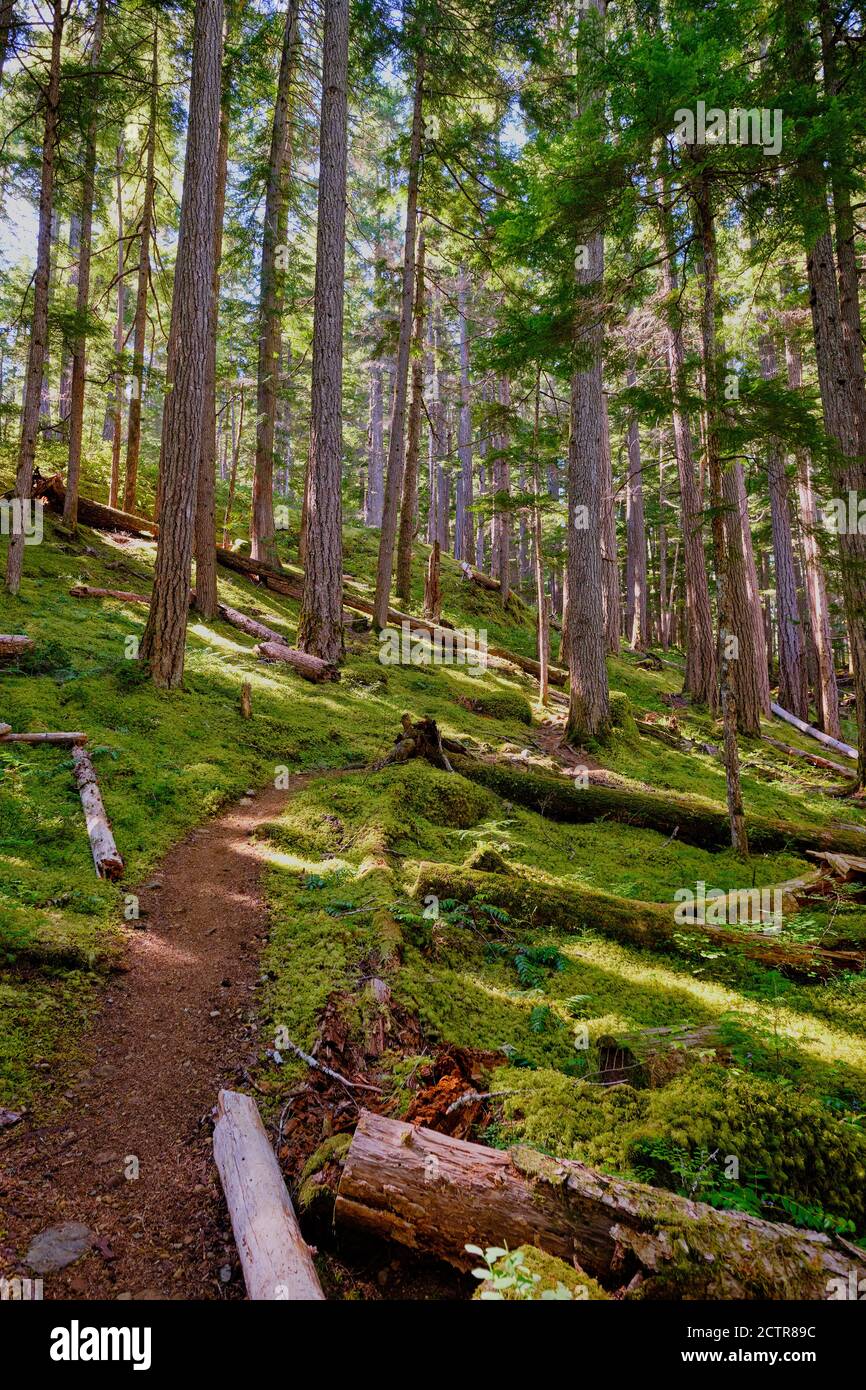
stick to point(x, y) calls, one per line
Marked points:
point(500, 705)
point(548, 1273)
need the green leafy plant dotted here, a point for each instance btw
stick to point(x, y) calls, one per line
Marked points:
point(503, 1269)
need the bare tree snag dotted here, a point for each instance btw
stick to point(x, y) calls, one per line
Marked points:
point(246, 701)
point(312, 668)
point(275, 1258)
point(106, 858)
point(430, 1192)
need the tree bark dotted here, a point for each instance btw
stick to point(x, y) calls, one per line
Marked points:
point(396, 439)
point(409, 502)
point(82, 297)
point(205, 507)
point(164, 638)
point(106, 859)
point(636, 614)
point(465, 547)
point(263, 540)
point(119, 336)
point(701, 675)
point(320, 624)
point(584, 633)
point(146, 232)
point(39, 323)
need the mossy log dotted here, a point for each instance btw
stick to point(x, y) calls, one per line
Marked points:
point(430, 1192)
point(95, 514)
point(691, 820)
point(52, 736)
point(555, 674)
point(651, 926)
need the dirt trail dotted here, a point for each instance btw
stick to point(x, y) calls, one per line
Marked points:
point(174, 1027)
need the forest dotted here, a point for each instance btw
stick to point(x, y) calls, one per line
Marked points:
point(432, 653)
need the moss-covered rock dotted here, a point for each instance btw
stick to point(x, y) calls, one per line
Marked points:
point(499, 704)
point(488, 859)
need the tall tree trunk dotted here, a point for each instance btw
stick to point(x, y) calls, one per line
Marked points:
point(500, 566)
point(701, 675)
point(464, 548)
point(793, 686)
point(612, 595)
point(541, 599)
point(749, 674)
point(584, 631)
point(376, 454)
point(164, 637)
point(39, 322)
point(119, 336)
point(721, 532)
point(133, 431)
point(839, 382)
point(204, 543)
point(396, 439)
point(636, 615)
point(409, 503)
point(69, 348)
point(237, 435)
point(826, 689)
point(263, 539)
point(8, 25)
point(320, 625)
point(82, 300)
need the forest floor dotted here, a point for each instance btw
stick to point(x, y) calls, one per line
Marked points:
point(317, 909)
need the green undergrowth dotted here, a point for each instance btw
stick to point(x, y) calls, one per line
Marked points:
point(342, 857)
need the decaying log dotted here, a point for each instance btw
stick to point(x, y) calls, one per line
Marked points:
point(246, 701)
point(692, 820)
point(251, 626)
point(650, 926)
point(814, 759)
point(430, 1192)
point(92, 513)
point(836, 744)
point(555, 674)
point(106, 858)
point(52, 737)
point(275, 1258)
point(5, 729)
point(312, 668)
point(847, 868)
point(484, 581)
point(123, 595)
point(14, 644)
point(278, 581)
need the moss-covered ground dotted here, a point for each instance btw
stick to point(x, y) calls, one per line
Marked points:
point(788, 1102)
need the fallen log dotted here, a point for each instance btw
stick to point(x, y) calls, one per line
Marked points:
point(52, 737)
point(312, 668)
point(14, 644)
point(649, 926)
point(693, 821)
point(804, 728)
point(555, 674)
point(5, 729)
point(106, 858)
point(847, 868)
point(814, 759)
point(275, 1258)
point(122, 595)
point(430, 1192)
point(95, 514)
point(484, 581)
point(250, 626)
